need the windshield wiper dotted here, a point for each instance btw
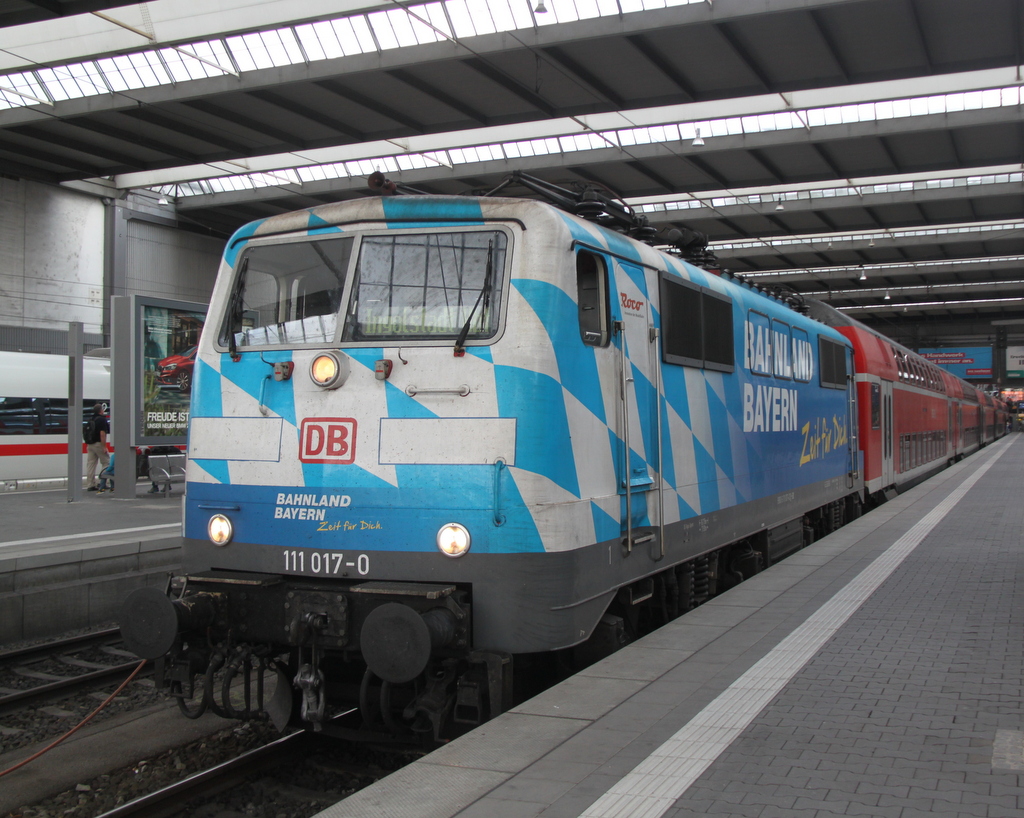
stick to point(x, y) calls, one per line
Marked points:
point(485, 296)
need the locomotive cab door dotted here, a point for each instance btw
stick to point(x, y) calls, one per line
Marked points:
point(640, 385)
point(888, 466)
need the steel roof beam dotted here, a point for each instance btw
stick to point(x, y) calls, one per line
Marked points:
point(181, 22)
point(874, 271)
point(603, 156)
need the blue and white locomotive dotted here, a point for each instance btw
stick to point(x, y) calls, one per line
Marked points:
point(431, 436)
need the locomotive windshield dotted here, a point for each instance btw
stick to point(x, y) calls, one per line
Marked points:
point(288, 293)
point(405, 286)
point(427, 286)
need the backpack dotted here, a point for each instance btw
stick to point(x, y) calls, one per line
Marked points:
point(89, 433)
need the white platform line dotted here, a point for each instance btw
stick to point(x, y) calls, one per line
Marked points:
point(656, 783)
point(110, 533)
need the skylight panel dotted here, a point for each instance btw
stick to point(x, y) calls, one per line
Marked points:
point(483, 20)
point(24, 83)
point(508, 17)
point(319, 41)
point(264, 49)
point(384, 31)
point(181, 67)
point(462, 19)
point(559, 11)
point(150, 70)
point(992, 98)
point(53, 79)
point(120, 73)
point(353, 35)
point(587, 9)
point(431, 31)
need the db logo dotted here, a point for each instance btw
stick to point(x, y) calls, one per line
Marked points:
point(328, 440)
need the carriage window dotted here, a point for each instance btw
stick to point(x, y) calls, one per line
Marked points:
point(427, 286)
point(876, 406)
point(21, 416)
point(696, 326)
point(592, 299)
point(288, 293)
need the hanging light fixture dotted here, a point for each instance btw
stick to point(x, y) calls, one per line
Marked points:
point(863, 275)
point(697, 142)
point(780, 206)
point(541, 8)
point(886, 298)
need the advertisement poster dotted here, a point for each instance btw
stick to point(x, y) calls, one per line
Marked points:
point(1015, 362)
point(169, 339)
point(965, 362)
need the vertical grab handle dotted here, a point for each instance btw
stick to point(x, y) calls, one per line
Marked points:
point(620, 328)
point(655, 335)
point(499, 467)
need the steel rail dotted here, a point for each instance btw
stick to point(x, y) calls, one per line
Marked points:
point(168, 801)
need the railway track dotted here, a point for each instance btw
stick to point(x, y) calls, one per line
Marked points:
point(168, 801)
point(34, 675)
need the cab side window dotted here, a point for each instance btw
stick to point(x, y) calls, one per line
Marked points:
point(592, 299)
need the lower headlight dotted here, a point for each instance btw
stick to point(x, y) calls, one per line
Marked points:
point(453, 540)
point(219, 529)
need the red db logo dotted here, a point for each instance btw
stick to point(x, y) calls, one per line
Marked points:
point(328, 440)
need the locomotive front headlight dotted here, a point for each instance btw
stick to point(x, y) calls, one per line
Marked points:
point(219, 529)
point(453, 540)
point(326, 370)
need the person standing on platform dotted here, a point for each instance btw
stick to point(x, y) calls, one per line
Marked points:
point(95, 434)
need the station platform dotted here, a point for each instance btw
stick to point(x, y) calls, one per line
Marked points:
point(877, 672)
point(65, 566)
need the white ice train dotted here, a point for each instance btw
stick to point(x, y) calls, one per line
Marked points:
point(34, 412)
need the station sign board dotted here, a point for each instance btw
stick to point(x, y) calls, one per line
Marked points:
point(1015, 362)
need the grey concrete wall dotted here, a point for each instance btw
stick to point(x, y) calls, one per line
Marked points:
point(46, 595)
point(51, 256)
point(64, 253)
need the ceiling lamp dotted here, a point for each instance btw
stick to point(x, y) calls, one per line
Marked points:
point(863, 275)
point(697, 142)
point(541, 8)
point(886, 298)
point(780, 206)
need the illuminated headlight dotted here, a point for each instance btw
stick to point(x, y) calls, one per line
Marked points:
point(219, 529)
point(453, 540)
point(326, 370)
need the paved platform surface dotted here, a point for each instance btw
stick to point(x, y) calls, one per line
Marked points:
point(44, 522)
point(877, 672)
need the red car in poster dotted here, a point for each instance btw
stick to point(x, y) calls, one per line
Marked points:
point(176, 370)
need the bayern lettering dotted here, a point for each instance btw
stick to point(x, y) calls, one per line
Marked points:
point(769, 408)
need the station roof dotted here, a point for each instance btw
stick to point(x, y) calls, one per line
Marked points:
point(868, 152)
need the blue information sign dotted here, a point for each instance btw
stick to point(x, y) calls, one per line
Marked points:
point(965, 362)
